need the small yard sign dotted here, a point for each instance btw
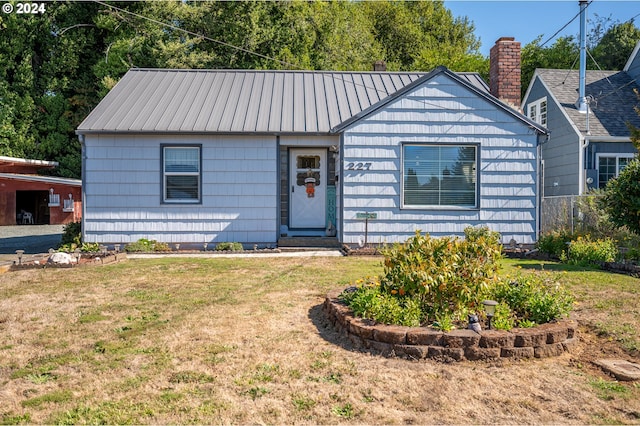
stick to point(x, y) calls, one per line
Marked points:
point(366, 215)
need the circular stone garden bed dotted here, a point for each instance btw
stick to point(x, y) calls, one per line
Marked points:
point(543, 341)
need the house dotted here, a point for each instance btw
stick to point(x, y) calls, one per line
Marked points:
point(27, 197)
point(195, 156)
point(585, 149)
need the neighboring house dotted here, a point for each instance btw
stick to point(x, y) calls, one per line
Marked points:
point(29, 198)
point(194, 156)
point(584, 150)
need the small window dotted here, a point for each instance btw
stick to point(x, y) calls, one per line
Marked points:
point(610, 166)
point(181, 174)
point(440, 176)
point(538, 111)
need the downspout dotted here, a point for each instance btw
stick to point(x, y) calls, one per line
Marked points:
point(83, 168)
point(584, 143)
point(340, 211)
point(278, 191)
point(538, 187)
point(540, 182)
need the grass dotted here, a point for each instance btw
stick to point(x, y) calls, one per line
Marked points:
point(244, 341)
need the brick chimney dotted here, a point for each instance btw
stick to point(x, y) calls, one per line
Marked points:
point(379, 66)
point(504, 71)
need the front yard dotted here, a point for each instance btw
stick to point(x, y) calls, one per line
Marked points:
point(245, 341)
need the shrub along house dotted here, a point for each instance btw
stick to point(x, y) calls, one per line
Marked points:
point(194, 156)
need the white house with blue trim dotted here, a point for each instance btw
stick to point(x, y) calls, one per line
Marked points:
point(194, 156)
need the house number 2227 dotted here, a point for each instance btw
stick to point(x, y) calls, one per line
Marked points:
point(358, 166)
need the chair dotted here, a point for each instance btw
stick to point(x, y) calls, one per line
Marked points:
point(27, 218)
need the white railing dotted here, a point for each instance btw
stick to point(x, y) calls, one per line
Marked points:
point(54, 200)
point(68, 205)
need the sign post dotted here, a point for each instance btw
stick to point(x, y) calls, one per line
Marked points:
point(366, 217)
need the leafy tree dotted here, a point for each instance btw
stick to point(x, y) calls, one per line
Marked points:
point(621, 197)
point(423, 35)
point(562, 54)
point(56, 66)
point(609, 44)
point(616, 45)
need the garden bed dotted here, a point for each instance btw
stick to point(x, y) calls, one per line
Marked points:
point(543, 341)
point(85, 259)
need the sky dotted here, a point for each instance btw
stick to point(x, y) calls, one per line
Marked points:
point(525, 20)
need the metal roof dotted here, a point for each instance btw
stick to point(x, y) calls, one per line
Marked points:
point(44, 179)
point(241, 101)
point(12, 164)
point(613, 104)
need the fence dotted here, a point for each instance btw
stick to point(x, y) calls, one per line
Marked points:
point(572, 213)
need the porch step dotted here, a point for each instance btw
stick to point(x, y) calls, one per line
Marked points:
point(309, 243)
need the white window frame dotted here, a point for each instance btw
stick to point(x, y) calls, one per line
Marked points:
point(476, 171)
point(611, 155)
point(534, 111)
point(165, 175)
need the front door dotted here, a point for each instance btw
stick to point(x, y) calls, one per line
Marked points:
point(308, 187)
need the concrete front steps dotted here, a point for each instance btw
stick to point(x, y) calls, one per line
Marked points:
point(308, 243)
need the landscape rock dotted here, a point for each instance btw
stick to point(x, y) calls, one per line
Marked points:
point(60, 258)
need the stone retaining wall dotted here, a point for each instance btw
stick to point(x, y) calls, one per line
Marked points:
point(543, 341)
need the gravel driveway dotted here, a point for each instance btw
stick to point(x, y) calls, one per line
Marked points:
point(30, 238)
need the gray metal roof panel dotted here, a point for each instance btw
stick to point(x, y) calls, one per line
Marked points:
point(237, 101)
point(613, 99)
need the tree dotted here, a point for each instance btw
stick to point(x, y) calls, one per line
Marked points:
point(562, 54)
point(609, 44)
point(621, 197)
point(616, 45)
point(422, 35)
point(56, 66)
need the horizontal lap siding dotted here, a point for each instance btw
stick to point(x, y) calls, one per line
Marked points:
point(123, 191)
point(440, 112)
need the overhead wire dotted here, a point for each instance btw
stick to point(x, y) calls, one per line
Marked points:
point(289, 64)
point(191, 33)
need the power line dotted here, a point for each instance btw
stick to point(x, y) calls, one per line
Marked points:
point(191, 33)
point(565, 25)
point(290, 65)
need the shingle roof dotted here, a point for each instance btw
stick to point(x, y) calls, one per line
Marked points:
point(240, 101)
point(613, 101)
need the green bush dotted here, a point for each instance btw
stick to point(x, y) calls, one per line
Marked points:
point(226, 246)
point(72, 234)
point(445, 275)
point(439, 281)
point(584, 251)
point(84, 247)
point(369, 302)
point(621, 199)
point(555, 243)
point(533, 298)
point(145, 245)
point(504, 318)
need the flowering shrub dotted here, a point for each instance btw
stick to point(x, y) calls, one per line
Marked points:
point(430, 279)
point(533, 299)
point(445, 275)
point(584, 251)
point(438, 281)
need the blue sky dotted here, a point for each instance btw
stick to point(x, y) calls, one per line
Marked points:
point(525, 20)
